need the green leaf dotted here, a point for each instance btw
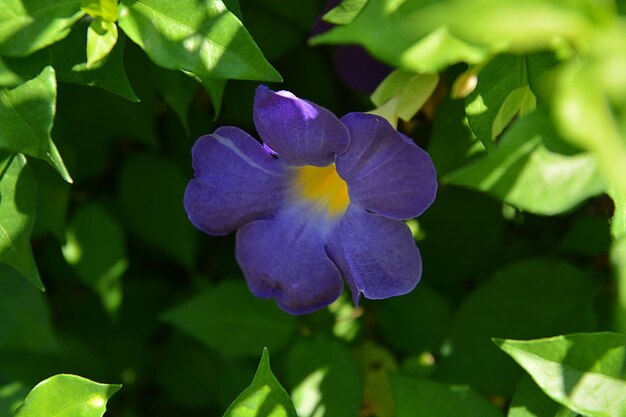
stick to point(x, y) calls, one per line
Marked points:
point(203, 39)
point(245, 322)
point(345, 12)
point(618, 260)
point(101, 38)
point(325, 377)
point(17, 211)
point(53, 197)
point(29, 25)
point(7, 77)
point(95, 247)
point(67, 396)
point(377, 363)
point(177, 89)
point(151, 190)
point(109, 73)
point(420, 397)
point(501, 94)
point(530, 401)
point(26, 117)
point(534, 170)
point(103, 9)
point(25, 324)
point(264, 397)
point(11, 396)
point(402, 94)
point(581, 371)
point(531, 298)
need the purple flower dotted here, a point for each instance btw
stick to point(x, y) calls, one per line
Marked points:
point(320, 199)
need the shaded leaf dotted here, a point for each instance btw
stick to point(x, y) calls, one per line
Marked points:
point(264, 397)
point(231, 320)
point(53, 197)
point(533, 169)
point(530, 401)
point(424, 398)
point(11, 396)
point(29, 25)
point(67, 396)
point(18, 199)
point(177, 89)
point(150, 194)
point(580, 371)
point(24, 317)
point(7, 77)
point(327, 381)
point(26, 117)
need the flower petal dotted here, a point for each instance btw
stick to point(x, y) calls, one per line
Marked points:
point(236, 181)
point(301, 132)
point(386, 172)
point(284, 258)
point(377, 256)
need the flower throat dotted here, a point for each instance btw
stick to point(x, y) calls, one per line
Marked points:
point(323, 187)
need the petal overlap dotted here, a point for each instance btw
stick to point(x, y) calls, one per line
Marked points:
point(284, 258)
point(236, 181)
point(301, 132)
point(386, 173)
point(377, 256)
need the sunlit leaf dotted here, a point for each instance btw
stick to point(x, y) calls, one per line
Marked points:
point(29, 25)
point(101, 38)
point(24, 320)
point(26, 116)
point(581, 371)
point(244, 322)
point(17, 210)
point(67, 396)
point(264, 397)
point(104, 9)
point(345, 12)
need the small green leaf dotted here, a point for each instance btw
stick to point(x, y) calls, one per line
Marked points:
point(324, 376)
point(67, 396)
point(203, 39)
point(245, 322)
point(25, 324)
point(581, 371)
point(534, 170)
point(402, 94)
point(103, 9)
point(26, 117)
point(151, 190)
point(264, 397)
point(420, 397)
point(29, 25)
point(17, 211)
point(530, 401)
point(94, 245)
point(108, 73)
point(101, 38)
point(345, 12)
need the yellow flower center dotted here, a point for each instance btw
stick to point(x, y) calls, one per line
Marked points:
point(323, 187)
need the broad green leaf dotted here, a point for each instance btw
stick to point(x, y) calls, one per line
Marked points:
point(203, 39)
point(177, 89)
point(501, 94)
point(104, 9)
point(397, 319)
point(151, 190)
point(528, 299)
point(70, 61)
point(402, 94)
point(17, 211)
point(24, 317)
point(581, 371)
point(11, 396)
point(7, 77)
point(231, 320)
point(95, 247)
point(101, 38)
point(264, 397)
point(325, 378)
point(530, 401)
point(424, 398)
point(345, 12)
point(29, 25)
point(534, 170)
point(67, 396)
point(26, 117)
